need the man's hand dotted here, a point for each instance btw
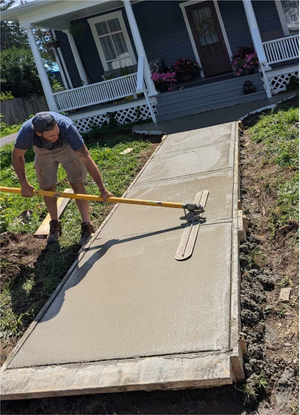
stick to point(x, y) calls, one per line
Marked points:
point(27, 190)
point(105, 194)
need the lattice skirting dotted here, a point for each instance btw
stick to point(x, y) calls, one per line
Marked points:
point(122, 116)
point(278, 82)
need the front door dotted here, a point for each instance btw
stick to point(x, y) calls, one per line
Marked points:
point(208, 37)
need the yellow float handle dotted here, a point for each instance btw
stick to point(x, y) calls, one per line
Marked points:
point(96, 198)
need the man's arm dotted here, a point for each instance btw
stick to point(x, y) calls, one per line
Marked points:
point(18, 163)
point(84, 155)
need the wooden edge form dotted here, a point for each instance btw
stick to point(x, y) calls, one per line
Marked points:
point(43, 231)
point(148, 374)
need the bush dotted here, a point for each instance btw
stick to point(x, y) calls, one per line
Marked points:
point(19, 75)
point(4, 96)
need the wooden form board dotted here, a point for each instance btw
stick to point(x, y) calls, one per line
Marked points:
point(43, 231)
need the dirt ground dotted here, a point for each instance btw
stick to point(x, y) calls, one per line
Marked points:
point(268, 264)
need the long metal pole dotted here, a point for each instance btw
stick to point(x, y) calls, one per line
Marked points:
point(97, 198)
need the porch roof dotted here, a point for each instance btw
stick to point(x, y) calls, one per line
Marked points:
point(57, 14)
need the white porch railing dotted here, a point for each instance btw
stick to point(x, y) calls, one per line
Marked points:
point(98, 93)
point(281, 50)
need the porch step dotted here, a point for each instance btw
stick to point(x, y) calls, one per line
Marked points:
point(207, 97)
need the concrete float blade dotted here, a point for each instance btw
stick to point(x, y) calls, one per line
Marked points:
point(189, 237)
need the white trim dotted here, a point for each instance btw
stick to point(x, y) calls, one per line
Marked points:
point(283, 22)
point(191, 36)
point(104, 18)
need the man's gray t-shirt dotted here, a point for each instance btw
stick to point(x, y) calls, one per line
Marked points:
point(68, 134)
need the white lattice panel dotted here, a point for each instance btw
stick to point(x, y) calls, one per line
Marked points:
point(278, 82)
point(122, 116)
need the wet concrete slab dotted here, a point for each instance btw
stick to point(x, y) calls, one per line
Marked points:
point(129, 297)
point(194, 139)
point(128, 316)
point(136, 219)
point(182, 163)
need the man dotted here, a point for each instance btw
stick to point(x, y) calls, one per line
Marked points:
point(55, 140)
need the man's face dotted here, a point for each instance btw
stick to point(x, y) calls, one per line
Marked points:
point(51, 136)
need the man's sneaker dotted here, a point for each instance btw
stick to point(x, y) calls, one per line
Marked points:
point(87, 230)
point(55, 231)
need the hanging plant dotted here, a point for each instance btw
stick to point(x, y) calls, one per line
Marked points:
point(77, 29)
point(205, 26)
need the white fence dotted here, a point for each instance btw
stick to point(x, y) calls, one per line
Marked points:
point(98, 93)
point(280, 50)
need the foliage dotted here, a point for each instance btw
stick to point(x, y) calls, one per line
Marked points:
point(11, 34)
point(77, 29)
point(186, 66)
point(6, 129)
point(167, 80)
point(293, 84)
point(107, 77)
point(19, 74)
point(279, 135)
point(244, 60)
point(4, 96)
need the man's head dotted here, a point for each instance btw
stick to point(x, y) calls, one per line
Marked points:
point(45, 126)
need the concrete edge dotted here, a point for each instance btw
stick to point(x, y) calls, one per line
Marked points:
point(235, 324)
point(271, 106)
point(147, 374)
point(81, 254)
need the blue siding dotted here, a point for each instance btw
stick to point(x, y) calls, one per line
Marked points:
point(268, 19)
point(68, 57)
point(236, 25)
point(165, 36)
point(163, 30)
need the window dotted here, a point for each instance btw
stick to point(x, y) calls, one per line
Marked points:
point(288, 11)
point(112, 41)
point(291, 14)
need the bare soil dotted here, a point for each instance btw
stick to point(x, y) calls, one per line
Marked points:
point(269, 262)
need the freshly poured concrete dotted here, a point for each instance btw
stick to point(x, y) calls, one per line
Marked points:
point(182, 163)
point(138, 302)
point(136, 219)
point(128, 300)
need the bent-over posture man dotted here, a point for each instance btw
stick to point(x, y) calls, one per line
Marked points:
point(56, 140)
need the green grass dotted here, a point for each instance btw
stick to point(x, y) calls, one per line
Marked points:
point(28, 285)
point(117, 171)
point(280, 136)
point(6, 129)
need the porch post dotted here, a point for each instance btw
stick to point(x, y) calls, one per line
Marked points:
point(139, 47)
point(76, 56)
point(41, 71)
point(255, 34)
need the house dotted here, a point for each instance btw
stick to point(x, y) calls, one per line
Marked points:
point(106, 50)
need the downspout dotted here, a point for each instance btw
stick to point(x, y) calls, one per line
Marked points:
point(41, 71)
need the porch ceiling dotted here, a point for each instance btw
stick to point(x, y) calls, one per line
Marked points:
point(62, 22)
point(54, 14)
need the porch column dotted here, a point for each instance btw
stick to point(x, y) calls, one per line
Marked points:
point(76, 56)
point(41, 71)
point(255, 34)
point(139, 47)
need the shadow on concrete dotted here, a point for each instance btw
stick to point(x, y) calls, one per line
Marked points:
point(82, 270)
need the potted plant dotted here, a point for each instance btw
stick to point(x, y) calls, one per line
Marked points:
point(164, 81)
point(245, 61)
point(186, 69)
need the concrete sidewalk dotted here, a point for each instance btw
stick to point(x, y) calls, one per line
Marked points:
point(129, 316)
